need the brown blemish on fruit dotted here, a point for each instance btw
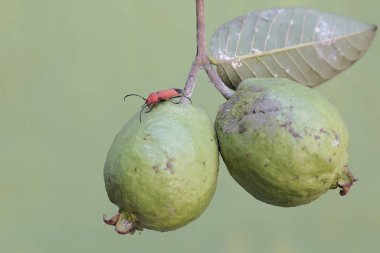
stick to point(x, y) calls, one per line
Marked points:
point(317, 137)
point(231, 127)
point(242, 129)
point(264, 105)
point(296, 177)
point(204, 163)
point(254, 115)
point(290, 129)
point(323, 131)
point(258, 89)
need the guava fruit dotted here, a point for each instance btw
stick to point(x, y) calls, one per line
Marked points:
point(162, 172)
point(282, 142)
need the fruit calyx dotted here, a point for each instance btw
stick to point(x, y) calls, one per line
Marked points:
point(124, 223)
point(345, 181)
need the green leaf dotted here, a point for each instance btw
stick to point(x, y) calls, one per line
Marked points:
point(304, 45)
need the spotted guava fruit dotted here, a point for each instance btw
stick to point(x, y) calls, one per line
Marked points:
point(162, 172)
point(282, 142)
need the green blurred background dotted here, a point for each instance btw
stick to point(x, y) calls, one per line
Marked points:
point(65, 66)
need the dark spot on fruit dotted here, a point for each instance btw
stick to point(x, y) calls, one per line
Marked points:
point(135, 169)
point(257, 89)
point(296, 135)
point(330, 160)
point(296, 177)
point(334, 154)
point(146, 136)
point(169, 165)
point(242, 129)
point(323, 131)
point(266, 165)
point(265, 105)
point(156, 168)
point(317, 137)
point(204, 163)
point(290, 129)
point(247, 154)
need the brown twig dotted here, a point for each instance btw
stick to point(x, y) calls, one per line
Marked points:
point(201, 60)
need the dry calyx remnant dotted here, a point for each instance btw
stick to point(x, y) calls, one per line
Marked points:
point(161, 172)
point(282, 142)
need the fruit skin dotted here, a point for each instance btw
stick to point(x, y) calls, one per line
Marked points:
point(282, 142)
point(162, 172)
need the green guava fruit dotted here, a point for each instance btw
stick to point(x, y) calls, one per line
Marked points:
point(282, 142)
point(162, 172)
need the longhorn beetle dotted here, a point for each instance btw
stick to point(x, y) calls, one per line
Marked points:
point(156, 97)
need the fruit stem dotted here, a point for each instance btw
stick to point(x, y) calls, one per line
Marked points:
point(201, 60)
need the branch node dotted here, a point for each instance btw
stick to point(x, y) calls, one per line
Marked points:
point(201, 60)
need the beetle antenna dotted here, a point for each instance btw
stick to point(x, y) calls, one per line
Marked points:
point(137, 95)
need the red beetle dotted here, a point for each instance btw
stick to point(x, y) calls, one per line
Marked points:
point(155, 97)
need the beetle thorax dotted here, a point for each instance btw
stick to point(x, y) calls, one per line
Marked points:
point(153, 98)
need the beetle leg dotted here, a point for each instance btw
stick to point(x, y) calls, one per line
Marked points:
point(150, 108)
point(142, 109)
point(176, 103)
point(188, 99)
point(180, 101)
